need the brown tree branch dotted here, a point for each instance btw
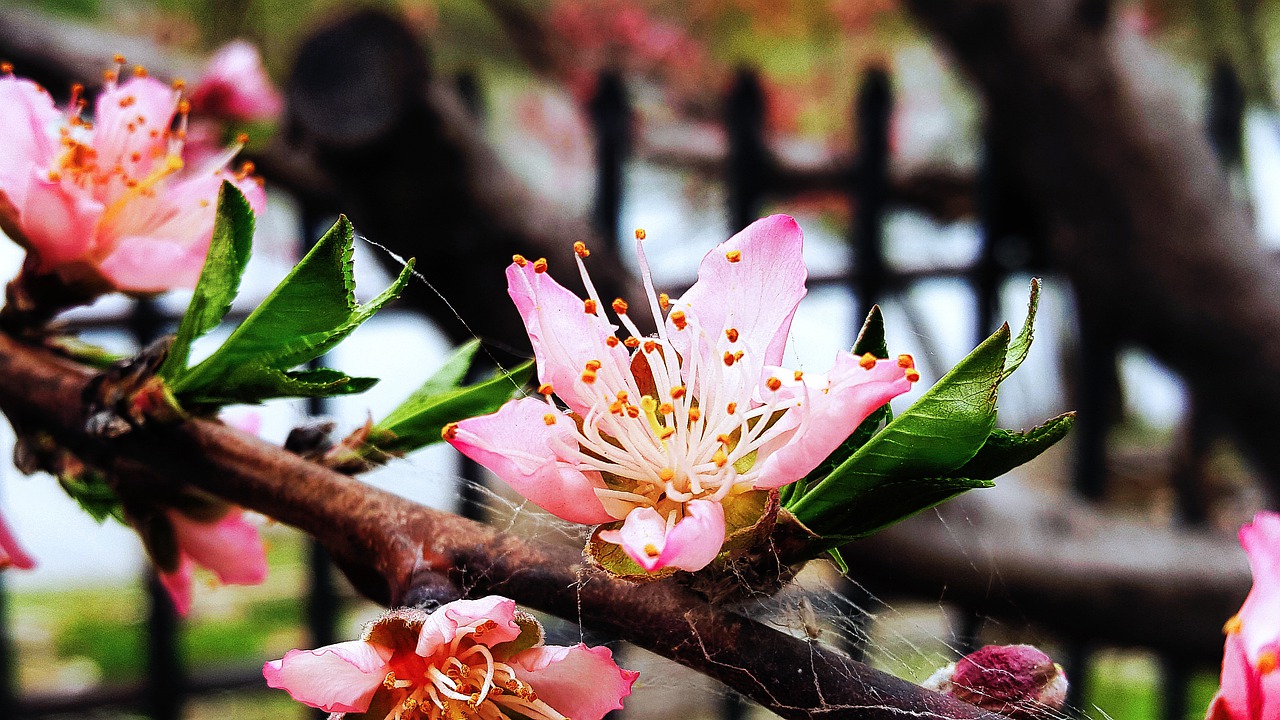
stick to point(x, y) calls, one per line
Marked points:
point(395, 550)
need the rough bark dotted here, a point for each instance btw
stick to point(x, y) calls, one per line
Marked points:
point(395, 551)
point(1151, 236)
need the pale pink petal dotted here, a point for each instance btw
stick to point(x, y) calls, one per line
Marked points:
point(28, 116)
point(230, 547)
point(837, 404)
point(60, 223)
point(756, 296)
point(11, 553)
point(564, 337)
point(151, 264)
point(131, 122)
point(235, 85)
point(518, 445)
point(1269, 690)
point(441, 626)
point(178, 584)
point(1260, 614)
point(578, 682)
point(691, 545)
point(334, 678)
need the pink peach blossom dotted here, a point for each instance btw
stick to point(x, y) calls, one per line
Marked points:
point(1250, 681)
point(469, 659)
point(110, 201)
point(1017, 681)
point(11, 553)
point(230, 547)
point(235, 85)
point(699, 414)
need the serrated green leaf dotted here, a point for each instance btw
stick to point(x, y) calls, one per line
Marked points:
point(219, 280)
point(939, 433)
point(254, 382)
point(838, 559)
point(94, 495)
point(1021, 345)
point(418, 421)
point(883, 504)
point(1006, 450)
point(445, 380)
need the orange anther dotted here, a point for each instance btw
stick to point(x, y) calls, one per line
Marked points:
point(906, 361)
point(679, 320)
point(867, 361)
point(666, 408)
point(449, 431)
point(139, 71)
point(611, 341)
point(588, 376)
point(731, 408)
point(798, 376)
point(184, 106)
point(549, 418)
point(650, 346)
point(724, 439)
point(179, 84)
point(109, 75)
point(580, 249)
point(694, 414)
point(640, 233)
point(589, 306)
point(622, 395)
point(6, 68)
point(732, 334)
point(666, 433)
point(633, 411)
point(666, 474)
point(632, 342)
point(519, 260)
point(615, 407)
point(1233, 625)
point(664, 301)
point(594, 365)
point(677, 392)
point(913, 375)
point(242, 138)
point(1267, 662)
point(620, 306)
point(540, 265)
point(652, 550)
point(729, 358)
point(733, 256)
point(118, 59)
point(719, 458)
point(773, 383)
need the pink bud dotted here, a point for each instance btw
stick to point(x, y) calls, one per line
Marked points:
point(1014, 680)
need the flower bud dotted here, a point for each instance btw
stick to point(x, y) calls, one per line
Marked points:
point(1014, 680)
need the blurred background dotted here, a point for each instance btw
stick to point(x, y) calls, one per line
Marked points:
point(937, 153)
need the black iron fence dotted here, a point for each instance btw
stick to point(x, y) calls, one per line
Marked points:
point(1011, 245)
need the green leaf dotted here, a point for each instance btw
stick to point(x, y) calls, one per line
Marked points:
point(1021, 345)
point(219, 280)
point(883, 504)
point(1005, 450)
point(94, 495)
point(939, 433)
point(838, 559)
point(445, 380)
point(307, 314)
point(419, 420)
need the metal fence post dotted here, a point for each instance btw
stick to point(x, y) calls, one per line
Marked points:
point(611, 121)
point(747, 166)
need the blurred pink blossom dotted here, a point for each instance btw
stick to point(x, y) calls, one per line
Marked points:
point(111, 201)
point(1250, 681)
point(235, 85)
point(229, 546)
point(11, 553)
point(469, 659)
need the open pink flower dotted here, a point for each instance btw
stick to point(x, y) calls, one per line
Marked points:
point(1250, 681)
point(698, 415)
point(470, 659)
point(230, 547)
point(109, 199)
point(235, 85)
point(11, 553)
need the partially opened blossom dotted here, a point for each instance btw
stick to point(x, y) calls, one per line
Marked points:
point(469, 660)
point(109, 201)
point(235, 85)
point(229, 546)
point(11, 553)
point(1250, 681)
point(661, 434)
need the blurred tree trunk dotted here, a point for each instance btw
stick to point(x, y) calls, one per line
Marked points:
point(1146, 226)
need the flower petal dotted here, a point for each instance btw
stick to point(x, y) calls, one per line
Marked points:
point(694, 542)
point(28, 115)
point(11, 553)
point(756, 295)
point(441, 627)
point(564, 336)
point(578, 682)
point(837, 404)
point(334, 678)
point(518, 445)
point(1259, 616)
point(178, 584)
point(235, 85)
point(230, 547)
point(60, 223)
point(131, 123)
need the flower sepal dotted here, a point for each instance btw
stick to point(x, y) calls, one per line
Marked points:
point(614, 560)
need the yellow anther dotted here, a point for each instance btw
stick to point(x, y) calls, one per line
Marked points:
point(733, 256)
point(450, 431)
point(519, 260)
point(580, 249)
point(664, 301)
point(867, 361)
point(549, 418)
point(639, 233)
point(677, 392)
point(719, 458)
point(616, 407)
point(724, 439)
point(798, 375)
point(184, 107)
point(620, 306)
point(773, 383)
point(652, 550)
point(679, 320)
point(545, 389)
point(594, 365)
point(1233, 625)
point(732, 334)
point(178, 84)
point(540, 265)
point(694, 414)
point(389, 682)
point(622, 395)
point(913, 375)
point(737, 355)
point(666, 474)
point(589, 306)
point(906, 361)
point(588, 376)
